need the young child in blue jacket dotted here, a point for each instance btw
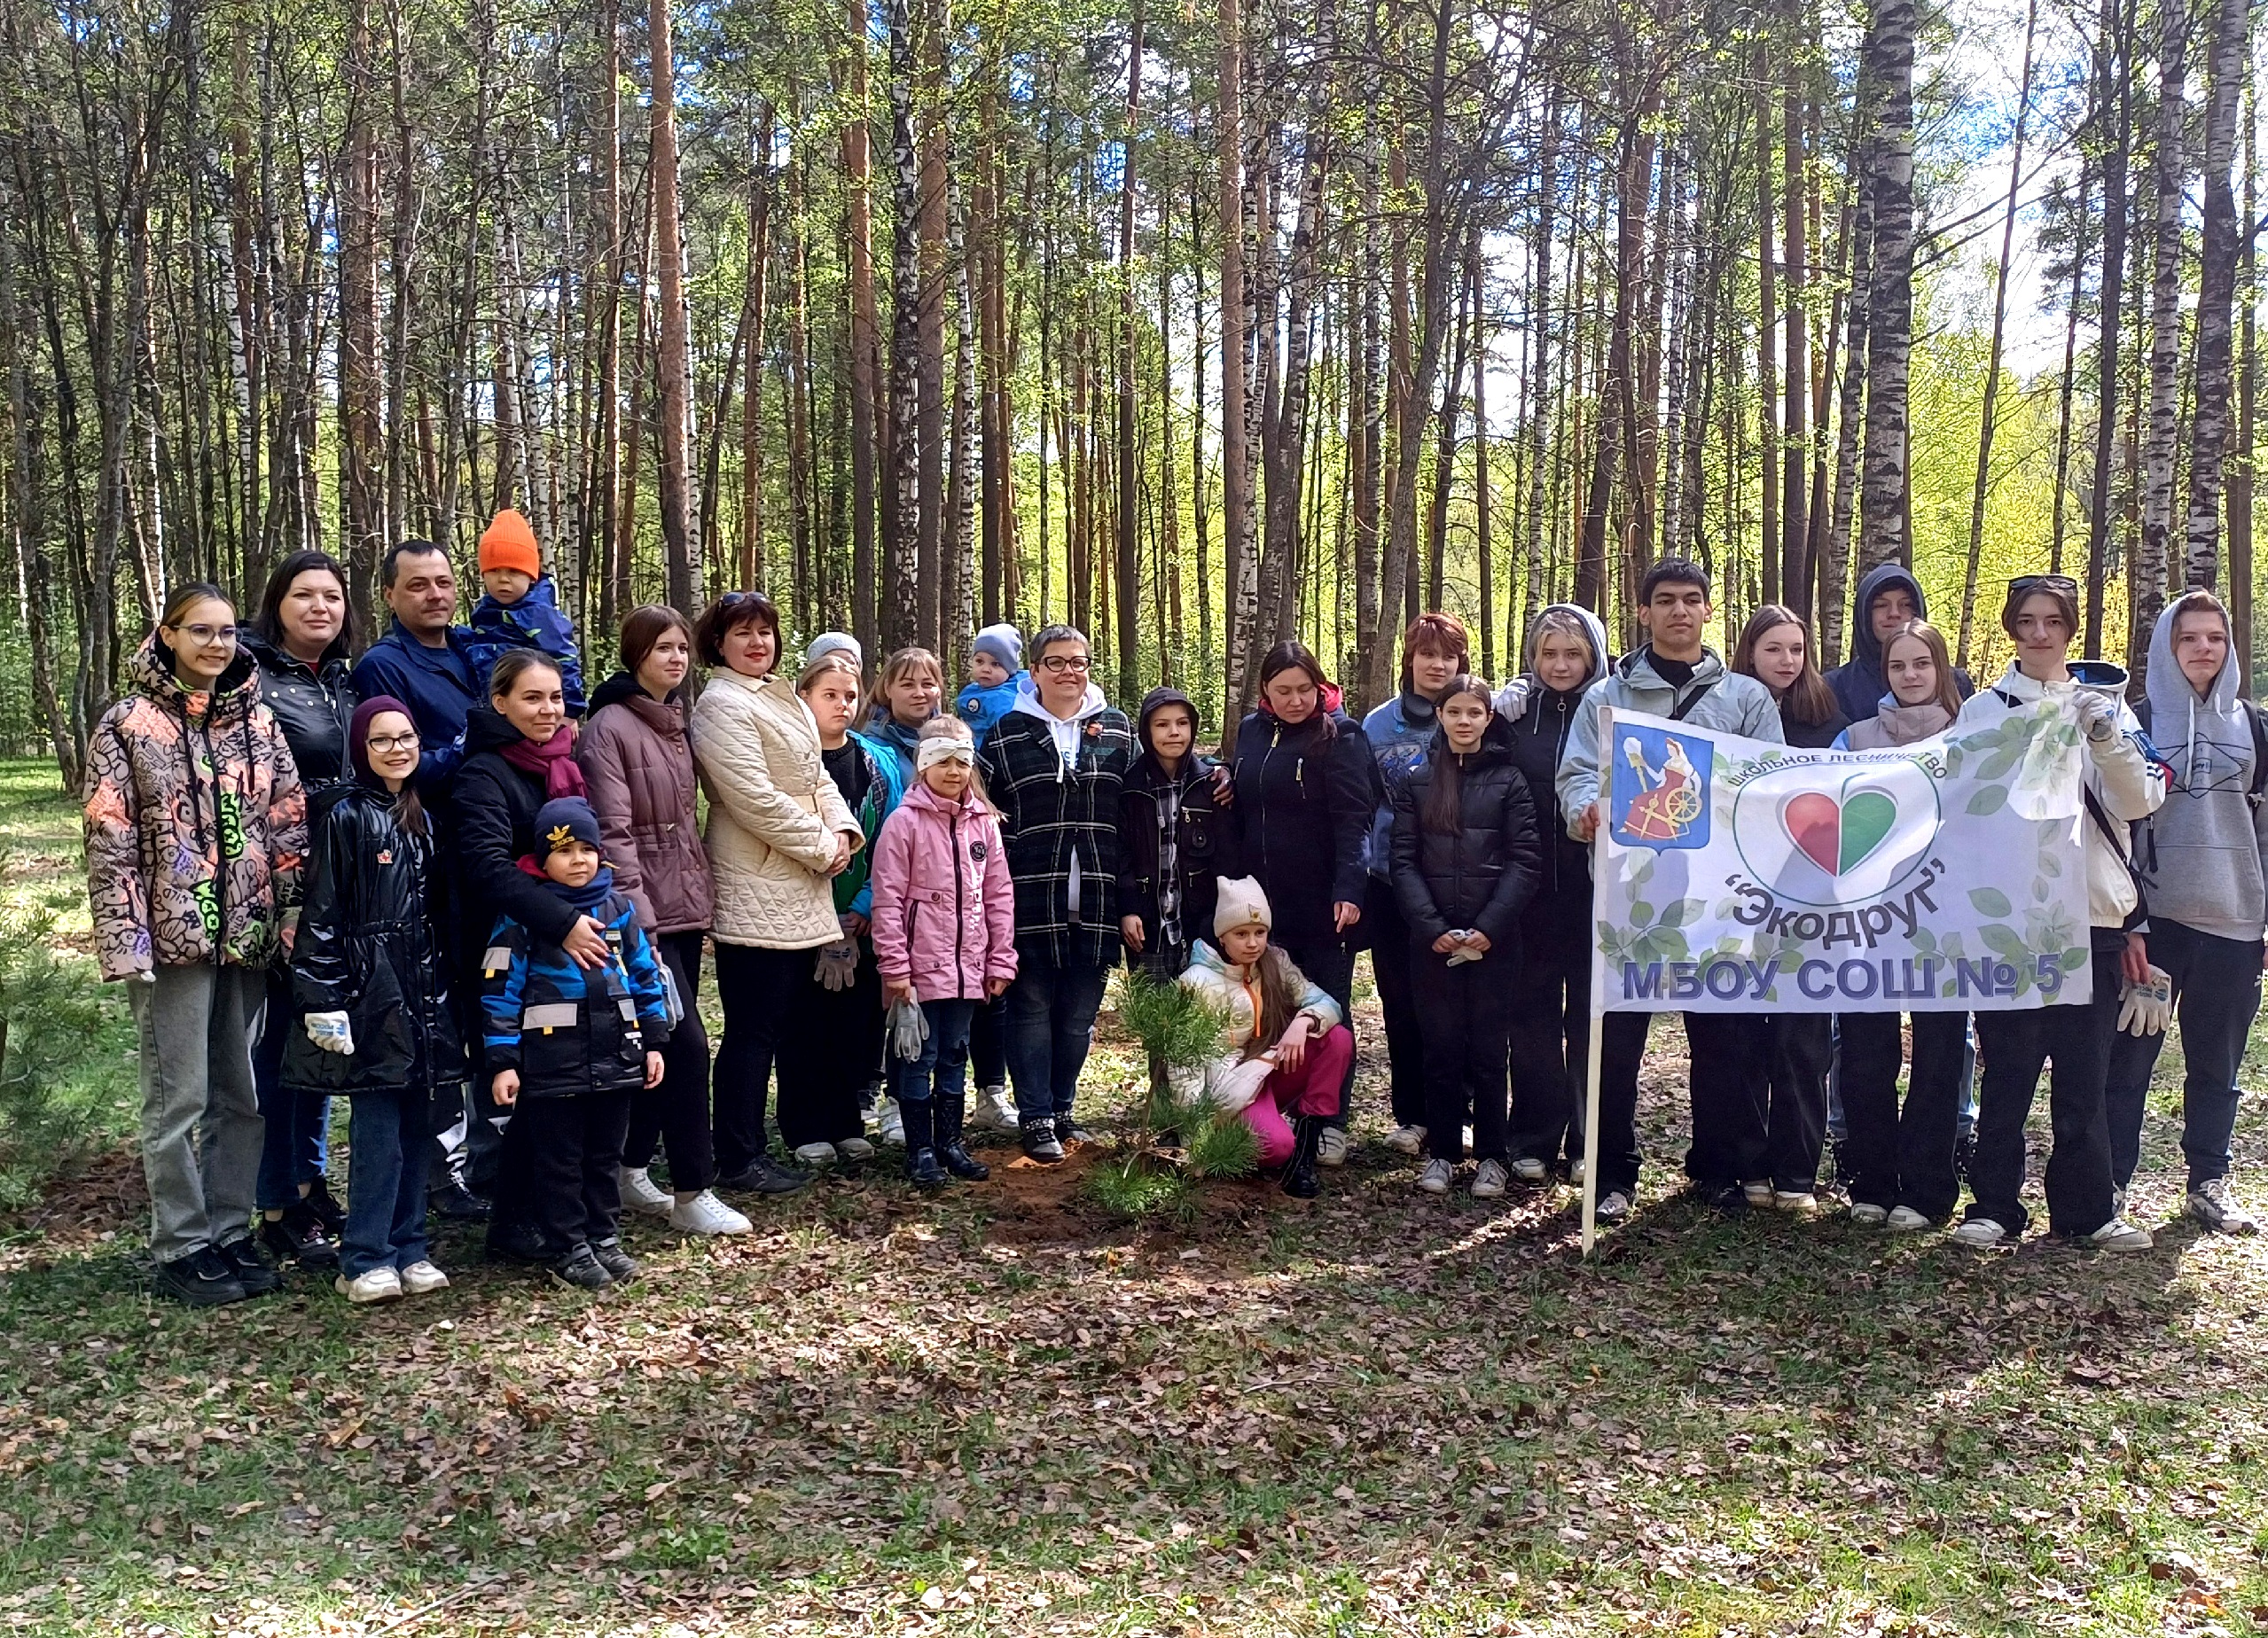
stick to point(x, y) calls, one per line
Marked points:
point(996, 670)
point(519, 609)
point(569, 1049)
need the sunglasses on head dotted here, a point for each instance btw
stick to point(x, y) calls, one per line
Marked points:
point(2042, 582)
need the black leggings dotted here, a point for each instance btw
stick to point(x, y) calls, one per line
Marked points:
point(676, 1113)
point(760, 990)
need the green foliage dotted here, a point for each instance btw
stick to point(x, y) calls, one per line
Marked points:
point(1222, 1145)
point(1176, 1024)
point(1134, 1186)
point(58, 1099)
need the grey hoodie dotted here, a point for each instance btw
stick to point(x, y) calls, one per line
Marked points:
point(2200, 856)
point(1732, 703)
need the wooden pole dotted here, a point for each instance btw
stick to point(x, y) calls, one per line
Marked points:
point(1598, 985)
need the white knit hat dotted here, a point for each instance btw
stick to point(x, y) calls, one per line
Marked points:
point(835, 643)
point(1242, 903)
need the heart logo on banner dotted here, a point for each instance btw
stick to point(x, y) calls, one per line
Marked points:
point(1837, 836)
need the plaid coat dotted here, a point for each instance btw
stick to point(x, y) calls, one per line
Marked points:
point(1048, 812)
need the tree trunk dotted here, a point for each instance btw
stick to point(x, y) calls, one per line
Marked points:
point(1480, 498)
point(2240, 466)
point(2208, 425)
point(750, 570)
point(360, 432)
point(1129, 580)
point(2114, 90)
point(1768, 316)
point(2147, 581)
point(1795, 447)
point(672, 355)
point(864, 338)
point(1890, 340)
point(902, 621)
point(929, 430)
point(1236, 491)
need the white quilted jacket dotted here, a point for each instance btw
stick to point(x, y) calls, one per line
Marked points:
point(773, 814)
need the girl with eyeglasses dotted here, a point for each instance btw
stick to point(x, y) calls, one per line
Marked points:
point(196, 823)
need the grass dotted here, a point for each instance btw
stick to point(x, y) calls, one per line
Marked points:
point(996, 1413)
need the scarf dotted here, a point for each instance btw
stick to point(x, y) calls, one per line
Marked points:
point(586, 898)
point(553, 761)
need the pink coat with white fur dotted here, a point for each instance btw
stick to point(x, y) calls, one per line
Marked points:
point(944, 906)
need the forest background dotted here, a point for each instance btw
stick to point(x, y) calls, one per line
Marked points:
point(918, 314)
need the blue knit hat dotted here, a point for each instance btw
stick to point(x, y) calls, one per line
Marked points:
point(1003, 643)
point(569, 819)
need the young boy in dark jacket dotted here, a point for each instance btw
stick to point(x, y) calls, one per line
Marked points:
point(569, 1049)
point(1174, 842)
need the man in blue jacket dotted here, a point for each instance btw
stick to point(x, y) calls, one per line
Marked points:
point(421, 662)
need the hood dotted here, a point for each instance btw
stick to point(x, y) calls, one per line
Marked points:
point(539, 593)
point(1028, 702)
point(1591, 623)
point(615, 690)
point(1636, 667)
point(2196, 736)
point(1202, 953)
point(1865, 647)
point(488, 729)
point(1156, 699)
point(150, 672)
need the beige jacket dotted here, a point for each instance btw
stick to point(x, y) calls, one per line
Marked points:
point(773, 814)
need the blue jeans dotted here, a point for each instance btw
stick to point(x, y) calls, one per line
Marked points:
point(293, 1147)
point(943, 1064)
point(391, 1136)
point(1050, 1025)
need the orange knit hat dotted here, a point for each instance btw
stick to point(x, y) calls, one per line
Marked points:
point(510, 544)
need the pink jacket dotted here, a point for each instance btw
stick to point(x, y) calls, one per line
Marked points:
point(944, 907)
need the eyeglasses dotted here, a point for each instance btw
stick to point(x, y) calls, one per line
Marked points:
point(1061, 663)
point(385, 744)
point(2042, 582)
point(209, 637)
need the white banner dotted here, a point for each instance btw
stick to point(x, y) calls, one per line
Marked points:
point(1735, 876)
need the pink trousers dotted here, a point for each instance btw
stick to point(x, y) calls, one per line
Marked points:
point(1311, 1089)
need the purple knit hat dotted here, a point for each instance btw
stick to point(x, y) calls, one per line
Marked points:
point(358, 731)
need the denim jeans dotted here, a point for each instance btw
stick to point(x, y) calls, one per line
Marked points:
point(1050, 1025)
point(943, 1066)
point(390, 1139)
point(2216, 994)
point(988, 1043)
point(295, 1148)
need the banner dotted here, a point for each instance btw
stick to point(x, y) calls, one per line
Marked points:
point(1735, 876)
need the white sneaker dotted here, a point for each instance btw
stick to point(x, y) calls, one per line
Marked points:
point(1981, 1234)
point(1613, 1206)
point(890, 1127)
point(1905, 1220)
point(1434, 1178)
point(705, 1214)
point(1575, 1171)
point(2118, 1235)
point(378, 1285)
point(2212, 1204)
point(1406, 1140)
point(855, 1148)
point(1758, 1194)
point(1488, 1182)
point(420, 1277)
point(1868, 1214)
point(816, 1154)
point(1800, 1201)
point(993, 1109)
point(1528, 1169)
point(1331, 1148)
point(640, 1194)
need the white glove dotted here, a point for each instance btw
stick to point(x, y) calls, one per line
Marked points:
point(1464, 952)
point(329, 1031)
point(1234, 1088)
point(1512, 699)
point(909, 1029)
point(2097, 714)
point(838, 964)
point(2147, 1008)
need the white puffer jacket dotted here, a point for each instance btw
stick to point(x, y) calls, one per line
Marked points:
point(773, 814)
point(1232, 1081)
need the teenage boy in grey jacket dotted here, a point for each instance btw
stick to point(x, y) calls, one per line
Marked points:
point(1673, 673)
point(2203, 859)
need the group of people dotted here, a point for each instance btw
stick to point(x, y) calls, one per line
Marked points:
point(436, 875)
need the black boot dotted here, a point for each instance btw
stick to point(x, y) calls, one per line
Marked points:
point(1299, 1171)
point(920, 1118)
point(951, 1150)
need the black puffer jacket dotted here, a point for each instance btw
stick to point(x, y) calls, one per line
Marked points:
point(313, 705)
point(1539, 739)
point(1157, 812)
point(494, 824)
point(1481, 875)
point(371, 946)
point(1305, 794)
